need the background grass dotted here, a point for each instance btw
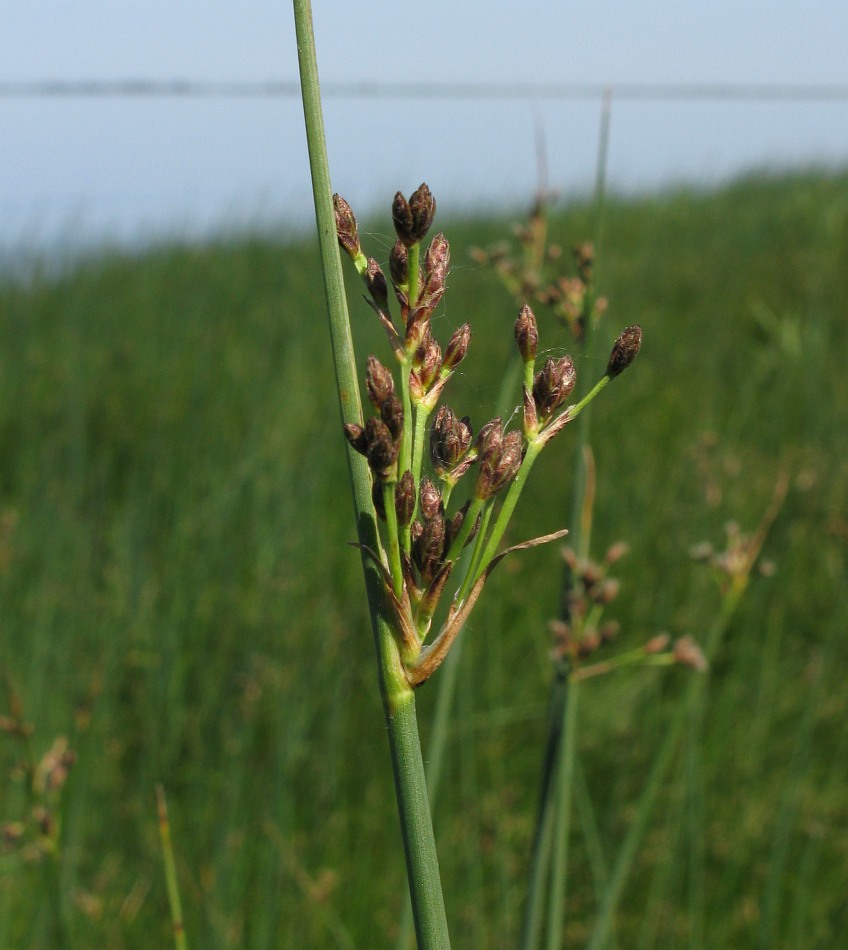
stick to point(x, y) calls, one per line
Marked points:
point(177, 599)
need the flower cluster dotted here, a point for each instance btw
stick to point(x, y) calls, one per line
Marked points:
point(36, 833)
point(532, 271)
point(585, 629)
point(410, 433)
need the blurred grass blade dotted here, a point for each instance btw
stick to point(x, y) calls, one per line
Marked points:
point(177, 921)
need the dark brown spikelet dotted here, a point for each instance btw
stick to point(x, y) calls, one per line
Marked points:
point(431, 365)
point(382, 450)
point(405, 498)
point(429, 541)
point(553, 385)
point(508, 463)
point(375, 281)
point(527, 334)
point(355, 434)
point(399, 264)
point(431, 499)
point(450, 439)
point(436, 264)
point(489, 443)
point(346, 229)
point(624, 351)
point(391, 412)
point(422, 204)
point(378, 498)
point(402, 219)
point(378, 382)
point(457, 347)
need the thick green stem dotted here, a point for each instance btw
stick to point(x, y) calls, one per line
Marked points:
point(425, 888)
point(398, 699)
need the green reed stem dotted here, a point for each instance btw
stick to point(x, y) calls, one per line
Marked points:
point(398, 699)
point(508, 507)
point(173, 887)
point(580, 529)
point(562, 824)
point(394, 541)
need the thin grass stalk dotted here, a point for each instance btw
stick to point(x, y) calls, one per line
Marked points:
point(553, 799)
point(540, 856)
point(562, 824)
point(695, 820)
point(170, 865)
point(398, 698)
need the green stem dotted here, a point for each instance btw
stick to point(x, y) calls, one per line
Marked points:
point(171, 882)
point(540, 856)
point(508, 507)
point(580, 527)
point(529, 370)
point(473, 563)
point(413, 261)
point(458, 544)
point(578, 407)
point(562, 825)
point(398, 699)
point(422, 414)
point(554, 799)
point(392, 531)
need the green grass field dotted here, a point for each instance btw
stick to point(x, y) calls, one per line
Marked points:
point(178, 601)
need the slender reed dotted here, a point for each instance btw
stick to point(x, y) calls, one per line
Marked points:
point(177, 922)
point(398, 698)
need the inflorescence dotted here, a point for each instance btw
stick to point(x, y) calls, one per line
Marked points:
point(426, 547)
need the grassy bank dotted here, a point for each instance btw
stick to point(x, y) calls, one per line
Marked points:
point(178, 601)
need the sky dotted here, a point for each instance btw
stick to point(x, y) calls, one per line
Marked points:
point(75, 169)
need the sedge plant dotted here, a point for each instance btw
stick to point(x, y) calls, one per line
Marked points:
point(422, 550)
